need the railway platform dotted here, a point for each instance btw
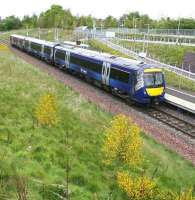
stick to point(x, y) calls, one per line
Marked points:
point(180, 99)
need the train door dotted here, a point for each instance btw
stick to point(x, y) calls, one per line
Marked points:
point(67, 59)
point(132, 82)
point(42, 50)
point(106, 73)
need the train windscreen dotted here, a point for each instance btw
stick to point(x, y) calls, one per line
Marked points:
point(153, 79)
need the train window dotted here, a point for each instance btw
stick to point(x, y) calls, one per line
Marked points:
point(26, 44)
point(60, 55)
point(47, 50)
point(86, 63)
point(36, 47)
point(119, 75)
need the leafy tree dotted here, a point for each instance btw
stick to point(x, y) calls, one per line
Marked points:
point(10, 23)
point(110, 22)
point(30, 22)
point(85, 21)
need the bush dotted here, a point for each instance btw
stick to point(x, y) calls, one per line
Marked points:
point(46, 110)
point(142, 188)
point(123, 141)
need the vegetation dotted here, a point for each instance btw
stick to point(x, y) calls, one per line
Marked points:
point(143, 188)
point(180, 82)
point(35, 159)
point(170, 54)
point(98, 46)
point(123, 147)
point(59, 17)
point(123, 142)
point(46, 110)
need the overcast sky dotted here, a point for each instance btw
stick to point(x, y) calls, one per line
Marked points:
point(102, 8)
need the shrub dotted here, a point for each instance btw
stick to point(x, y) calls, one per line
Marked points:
point(46, 110)
point(123, 141)
point(142, 188)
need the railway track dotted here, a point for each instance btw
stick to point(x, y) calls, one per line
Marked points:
point(173, 121)
point(167, 118)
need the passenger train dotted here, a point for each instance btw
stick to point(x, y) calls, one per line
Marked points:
point(134, 80)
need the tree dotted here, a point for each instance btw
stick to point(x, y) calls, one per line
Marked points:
point(85, 21)
point(10, 23)
point(110, 22)
point(30, 22)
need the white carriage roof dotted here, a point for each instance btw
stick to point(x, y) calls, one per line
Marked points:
point(18, 36)
point(125, 62)
point(44, 42)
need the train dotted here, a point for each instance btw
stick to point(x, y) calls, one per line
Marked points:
point(131, 79)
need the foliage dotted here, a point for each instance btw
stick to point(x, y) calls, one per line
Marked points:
point(30, 22)
point(110, 22)
point(187, 195)
point(142, 188)
point(46, 110)
point(57, 16)
point(123, 141)
point(10, 23)
point(85, 21)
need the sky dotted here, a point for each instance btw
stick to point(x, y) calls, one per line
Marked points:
point(102, 8)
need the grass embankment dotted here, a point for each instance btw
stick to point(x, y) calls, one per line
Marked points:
point(98, 46)
point(170, 54)
point(36, 156)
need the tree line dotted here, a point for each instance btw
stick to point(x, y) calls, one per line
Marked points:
point(57, 16)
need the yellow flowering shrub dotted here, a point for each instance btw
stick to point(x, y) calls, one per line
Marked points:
point(123, 141)
point(46, 110)
point(3, 47)
point(142, 188)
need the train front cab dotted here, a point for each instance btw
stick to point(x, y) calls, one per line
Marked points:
point(150, 87)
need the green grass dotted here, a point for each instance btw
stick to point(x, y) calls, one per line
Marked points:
point(98, 46)
point(170, 54)
point(177, 81)
point(40, 153)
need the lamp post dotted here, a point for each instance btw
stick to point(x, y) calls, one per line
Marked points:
point(147, 38)
point(178, 30)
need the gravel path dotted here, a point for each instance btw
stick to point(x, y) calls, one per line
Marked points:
point(163, 134)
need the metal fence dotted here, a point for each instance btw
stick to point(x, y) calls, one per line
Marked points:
point(185, 32)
